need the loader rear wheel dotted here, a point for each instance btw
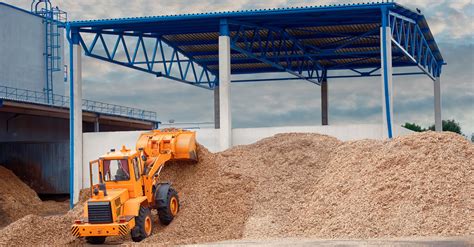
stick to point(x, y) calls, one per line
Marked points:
point(143, 225)
point(167, 203)
point(95, 240)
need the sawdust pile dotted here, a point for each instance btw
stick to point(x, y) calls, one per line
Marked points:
point(16, 198)
point(34, 229)
point(215, 202)
point(419, 185)
point(310, 185)
point(307, 185)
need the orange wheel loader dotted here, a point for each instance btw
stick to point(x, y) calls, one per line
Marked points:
point(125, 187)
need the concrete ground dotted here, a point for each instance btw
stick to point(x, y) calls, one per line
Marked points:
point(396, 242)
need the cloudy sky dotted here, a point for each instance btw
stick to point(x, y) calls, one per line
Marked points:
point(290, 102)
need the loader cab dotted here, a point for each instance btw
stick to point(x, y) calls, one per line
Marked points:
point(117, 170)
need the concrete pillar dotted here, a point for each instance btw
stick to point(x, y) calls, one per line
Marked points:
point(96, 125)
point(225, 118)
point(437, 104)
point(386, 63)
point(324, 102)
point(216, 108)
point(77, 118)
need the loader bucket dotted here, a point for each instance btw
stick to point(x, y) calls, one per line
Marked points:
point(181, 143)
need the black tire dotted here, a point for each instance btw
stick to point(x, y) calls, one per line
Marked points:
point(167, 203)
point(95, 240)
point(139, 232)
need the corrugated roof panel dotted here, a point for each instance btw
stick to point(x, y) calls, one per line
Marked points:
point(192, 36)
point(240, 12)
point(315, 28)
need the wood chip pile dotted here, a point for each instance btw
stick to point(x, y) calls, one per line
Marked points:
point(307, 185)
point(16, 198)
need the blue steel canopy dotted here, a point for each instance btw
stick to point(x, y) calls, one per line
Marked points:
point(306, 42)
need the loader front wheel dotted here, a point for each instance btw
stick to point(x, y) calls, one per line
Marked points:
point(167, 204)
point(95, 240)
point(143, 225)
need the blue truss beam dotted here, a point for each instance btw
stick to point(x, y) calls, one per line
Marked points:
point(188, 70)
point(245, 60)
point(309, 36)
point(272, 40)
point(409, 39)
point(276, 47)
point(369, 74)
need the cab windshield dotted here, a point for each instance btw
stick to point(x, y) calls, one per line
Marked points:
point(116, 170)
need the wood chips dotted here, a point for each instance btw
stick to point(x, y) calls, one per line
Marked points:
point(305, 185)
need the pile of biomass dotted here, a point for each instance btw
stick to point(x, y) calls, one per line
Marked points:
point(215, 202)
point(35, 229)
point(307, 185)
point(310, 185)
point(16, 198)
point(420, 185)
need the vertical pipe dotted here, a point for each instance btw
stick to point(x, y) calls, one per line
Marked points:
point(225, 117)
point(386, 63)
point(437, 104)
point(324, 100)
point(51, 60)
point(46, 62)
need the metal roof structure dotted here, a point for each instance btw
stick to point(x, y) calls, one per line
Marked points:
point(309, 43)
point(306, 42)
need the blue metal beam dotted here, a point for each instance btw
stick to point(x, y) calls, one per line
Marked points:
point(214, 60)
point(328, 77)
point(283, 39)
point(276, 41)
point(384, 51)
point(199, 73)
point(311, 35)
point(408, 37)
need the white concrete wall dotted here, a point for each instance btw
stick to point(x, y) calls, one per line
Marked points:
point(22, 44)
point(96, 144)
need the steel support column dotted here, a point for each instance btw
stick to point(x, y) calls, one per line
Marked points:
point(324, 100)
point(386, 65)
point(225, 118)
point(437, 104)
